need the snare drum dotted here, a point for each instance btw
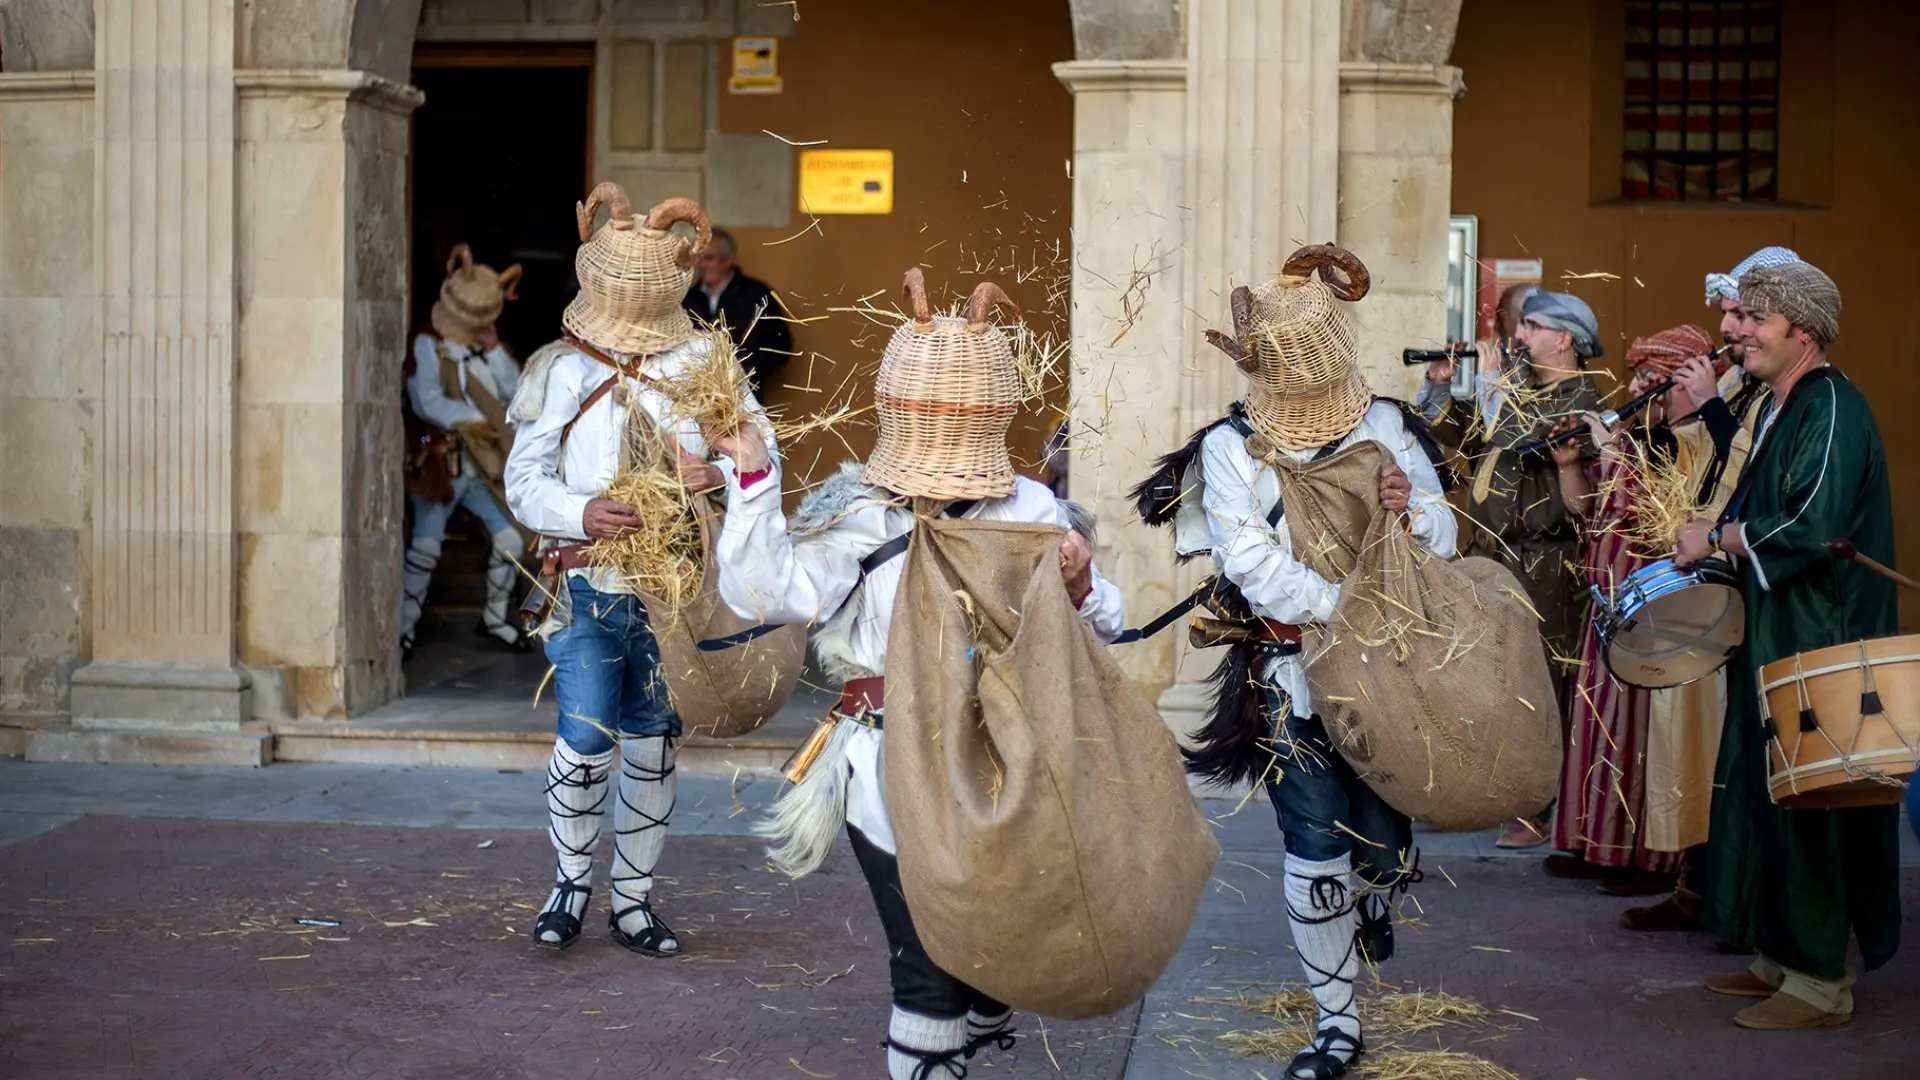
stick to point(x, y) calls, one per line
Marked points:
point(1842, 723)
point(1669, 625)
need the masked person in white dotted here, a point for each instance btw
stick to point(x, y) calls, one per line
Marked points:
point(1347, 850)
point(626, 334)
point(461, 376)
point(838, 569)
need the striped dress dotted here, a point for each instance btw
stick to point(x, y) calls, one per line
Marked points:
point(1603, 783)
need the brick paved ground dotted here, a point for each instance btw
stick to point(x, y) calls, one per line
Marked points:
point(165, 948)
point(1607, 1004)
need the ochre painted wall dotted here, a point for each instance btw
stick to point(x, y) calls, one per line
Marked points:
point(981, 133)
point(1536, 158)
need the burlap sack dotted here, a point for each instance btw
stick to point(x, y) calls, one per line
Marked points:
point(734, 691)
point(1049, 850)
point(1430, 677)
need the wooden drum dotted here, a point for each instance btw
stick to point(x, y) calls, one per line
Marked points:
point(1843, 724)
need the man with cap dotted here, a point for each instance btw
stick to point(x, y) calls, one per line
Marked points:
point(1519, 514)
point(457, 381)
point(1795, 884)
point(1347, 851)
point(583, 401)
point(839, 570)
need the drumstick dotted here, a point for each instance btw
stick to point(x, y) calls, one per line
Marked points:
point(1844, 549)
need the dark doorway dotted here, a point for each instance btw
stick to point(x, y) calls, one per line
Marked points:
point(499, 158)
point(500, 155)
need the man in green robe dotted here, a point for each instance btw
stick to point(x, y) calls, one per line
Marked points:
point(1793, 884)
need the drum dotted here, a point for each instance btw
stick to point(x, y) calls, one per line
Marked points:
point(1669, 625)
point(1843, 724)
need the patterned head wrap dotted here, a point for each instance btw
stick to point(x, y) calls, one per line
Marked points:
point(1727, 286)
point(1565, 311)
point(1662, 353)
point(1800, 291)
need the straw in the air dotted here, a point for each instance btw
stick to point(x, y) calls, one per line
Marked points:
point(712, 391)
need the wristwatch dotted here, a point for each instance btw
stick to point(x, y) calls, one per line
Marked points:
point(1713, 539)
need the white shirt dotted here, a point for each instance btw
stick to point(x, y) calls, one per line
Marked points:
point(493, 369)
point(549, 487)
point(772, 576)
point(1237, 492)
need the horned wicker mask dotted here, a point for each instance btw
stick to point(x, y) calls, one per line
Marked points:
point(1296, 339)
point(633, 274)
point(471, 297)
point(947, 393)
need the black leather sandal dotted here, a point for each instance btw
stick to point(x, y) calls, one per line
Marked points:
point(1319, 1061)
point(560, 918)
point(655, 940)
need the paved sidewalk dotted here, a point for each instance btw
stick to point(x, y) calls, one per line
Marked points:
point(146, 907)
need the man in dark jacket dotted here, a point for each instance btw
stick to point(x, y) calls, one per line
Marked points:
point(749, 308)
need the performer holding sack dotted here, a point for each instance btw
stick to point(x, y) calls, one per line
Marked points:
point(1795, 884)
point(939, 496)
point(1232, 493)
point(457, 380)
point(584, 402)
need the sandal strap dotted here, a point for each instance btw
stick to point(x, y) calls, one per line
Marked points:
point(929, 1060)
point(1001, 1038)
point(1319, 1057)
point(655, 932)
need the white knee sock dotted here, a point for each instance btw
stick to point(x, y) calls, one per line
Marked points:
point(502, 574)
point(576, 800)
point(640, 817)
point(930, 1035)
point(422, 556)
point(1320, 911)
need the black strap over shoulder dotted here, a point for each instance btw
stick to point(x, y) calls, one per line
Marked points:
point(873, 560)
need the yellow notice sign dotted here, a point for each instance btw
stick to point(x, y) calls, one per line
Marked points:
point(756, 66)
point(846, 181)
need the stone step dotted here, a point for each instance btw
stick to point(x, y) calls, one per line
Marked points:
point(300, 740)
point(252, 746)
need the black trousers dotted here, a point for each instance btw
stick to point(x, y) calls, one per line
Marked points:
point(918, 983)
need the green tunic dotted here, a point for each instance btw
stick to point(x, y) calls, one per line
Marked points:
point(1793, 883)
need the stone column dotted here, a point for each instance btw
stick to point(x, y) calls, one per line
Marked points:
point(1396, 185)
point(1262, 179)
point(1129, 273)
point(249, 284)
point(163, 670)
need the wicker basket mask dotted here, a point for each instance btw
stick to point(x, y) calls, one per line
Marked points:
point(471, 297)
point(947, 393)
point(1295, 337)
point(633, 274)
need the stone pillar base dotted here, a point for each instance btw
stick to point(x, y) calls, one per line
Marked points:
point(158, 714)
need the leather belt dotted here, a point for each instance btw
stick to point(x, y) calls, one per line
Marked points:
point(862, 699)
point(1284, 633)
point(568, 557)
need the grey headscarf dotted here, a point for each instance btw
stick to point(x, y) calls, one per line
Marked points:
point(1727, 286)
point(1565, 311)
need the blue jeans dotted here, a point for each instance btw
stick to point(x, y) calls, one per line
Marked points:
point(606, 672)
point(430, 519)
point(1321, 803)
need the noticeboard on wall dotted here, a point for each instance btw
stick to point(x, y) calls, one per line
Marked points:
point(846, 181)
point(756, 66)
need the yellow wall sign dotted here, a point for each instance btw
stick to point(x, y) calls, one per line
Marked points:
point(756, 66)
point(846, 181)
